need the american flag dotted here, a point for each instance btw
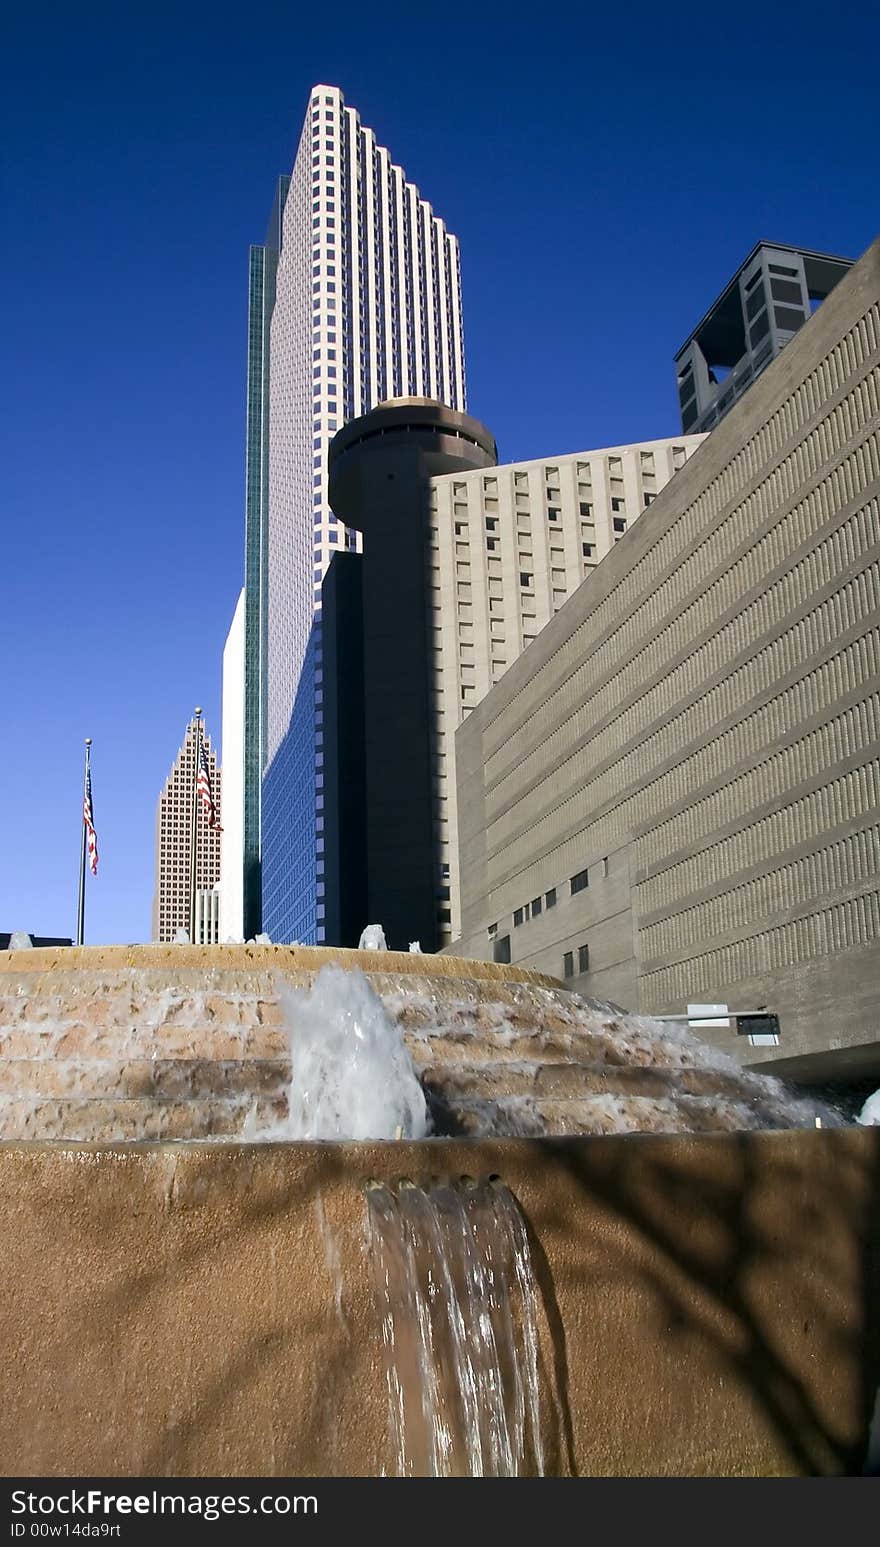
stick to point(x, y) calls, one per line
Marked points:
point(91, 835)
point(203, 786)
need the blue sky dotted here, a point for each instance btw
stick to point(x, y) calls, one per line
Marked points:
point(605, 174)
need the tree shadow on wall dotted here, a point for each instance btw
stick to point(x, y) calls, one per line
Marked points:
point(713, 1249)
point(260, 1212)
point(711, 1231)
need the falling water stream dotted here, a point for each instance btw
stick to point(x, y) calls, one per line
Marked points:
point(458, 1306)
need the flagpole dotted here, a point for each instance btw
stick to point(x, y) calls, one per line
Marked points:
point(81, 912)
point(193, 830)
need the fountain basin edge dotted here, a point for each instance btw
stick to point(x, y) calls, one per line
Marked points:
point(291, 958)
point(707, 1303)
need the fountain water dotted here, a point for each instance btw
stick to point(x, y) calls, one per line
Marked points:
point(351, 1076)
point(373, 938)
point(459, 1324)
point(870, 1113)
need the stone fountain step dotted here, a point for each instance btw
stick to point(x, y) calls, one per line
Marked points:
point(187, 1051)
point(132, 998)
point(70, 1036)
point(479, 1046)
point(139, 1016)
point(71, 1039)
point(491, 1079)
point(104, 1120)
point(154, 1078)
point(535, 1117)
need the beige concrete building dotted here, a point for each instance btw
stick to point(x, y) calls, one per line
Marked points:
point(671, 798)
point(173, 823)
point(508, 546)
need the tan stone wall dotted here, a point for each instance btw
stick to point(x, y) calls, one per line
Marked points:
point(707, 1305)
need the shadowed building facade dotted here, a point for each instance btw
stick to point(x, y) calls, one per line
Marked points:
point(671, 797)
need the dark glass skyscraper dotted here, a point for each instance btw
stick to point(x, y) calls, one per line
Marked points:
point(263, 266)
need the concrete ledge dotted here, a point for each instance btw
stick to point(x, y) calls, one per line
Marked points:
point(282, 958)
point(707, 1305)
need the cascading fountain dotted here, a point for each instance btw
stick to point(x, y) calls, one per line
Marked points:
point(267, 1043)
point(459, 1326)
point(594, 1244)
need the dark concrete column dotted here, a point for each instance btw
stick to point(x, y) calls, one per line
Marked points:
point(345, 839)
point(380, 467)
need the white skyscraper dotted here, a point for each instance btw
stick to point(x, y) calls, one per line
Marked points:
point(359, 301)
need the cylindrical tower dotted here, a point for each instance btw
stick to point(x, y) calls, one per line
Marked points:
point(379, 468)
